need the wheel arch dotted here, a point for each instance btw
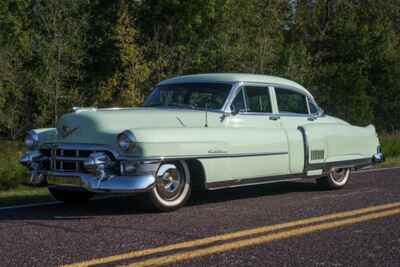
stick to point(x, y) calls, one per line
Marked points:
point(197, 174)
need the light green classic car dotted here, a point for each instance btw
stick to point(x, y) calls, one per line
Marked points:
point(205, 131)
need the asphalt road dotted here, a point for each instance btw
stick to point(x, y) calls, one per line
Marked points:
point(289, 224)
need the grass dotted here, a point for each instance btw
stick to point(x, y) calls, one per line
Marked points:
point(24, 194)
point(390, 145)
point(13, 175)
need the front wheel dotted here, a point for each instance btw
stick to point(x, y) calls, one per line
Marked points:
point(336, 178)
point(172, 188)
point(70, 195)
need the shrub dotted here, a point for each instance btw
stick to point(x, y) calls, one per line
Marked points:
point(390, 144)
point(12, 173)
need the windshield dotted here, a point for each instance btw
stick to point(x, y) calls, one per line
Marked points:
point(193, 95)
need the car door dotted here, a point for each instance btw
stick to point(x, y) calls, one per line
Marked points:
point(294, 111)
point(261, 135)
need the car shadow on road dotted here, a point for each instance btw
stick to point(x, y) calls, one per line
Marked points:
point(128, 205)
point(252, 191)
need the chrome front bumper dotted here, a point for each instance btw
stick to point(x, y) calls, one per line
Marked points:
point(112, 184)
point(100, 172)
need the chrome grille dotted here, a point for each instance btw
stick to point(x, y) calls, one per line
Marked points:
point(68, 159)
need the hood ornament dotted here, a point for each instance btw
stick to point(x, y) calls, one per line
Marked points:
point(66, 131)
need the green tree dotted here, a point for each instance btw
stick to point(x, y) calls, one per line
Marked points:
point(16, 63)
point(60, 42)
point(125, 85)
point(348, 42)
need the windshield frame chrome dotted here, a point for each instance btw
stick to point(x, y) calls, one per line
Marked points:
point(237, 86)
point(220, 110)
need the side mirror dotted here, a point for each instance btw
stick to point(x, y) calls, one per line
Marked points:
point(321, 112)
point(234, 110)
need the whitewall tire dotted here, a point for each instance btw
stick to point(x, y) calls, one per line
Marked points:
point(336, 178)
point(173, 186)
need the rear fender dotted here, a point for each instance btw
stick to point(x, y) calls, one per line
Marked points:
point(328, 143)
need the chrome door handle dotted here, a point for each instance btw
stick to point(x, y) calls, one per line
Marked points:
point(274, 118)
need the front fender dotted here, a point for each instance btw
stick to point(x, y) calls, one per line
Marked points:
point(192, 142)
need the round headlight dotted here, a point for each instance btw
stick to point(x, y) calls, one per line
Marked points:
point(31, 139)
point(126, 141)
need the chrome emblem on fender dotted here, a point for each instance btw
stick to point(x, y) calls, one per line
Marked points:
point(66, 131)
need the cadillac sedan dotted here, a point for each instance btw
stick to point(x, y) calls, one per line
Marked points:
point(205, 131)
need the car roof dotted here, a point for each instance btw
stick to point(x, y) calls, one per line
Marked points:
point(232, 78)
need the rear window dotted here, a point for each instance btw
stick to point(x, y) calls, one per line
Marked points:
point(291, 102)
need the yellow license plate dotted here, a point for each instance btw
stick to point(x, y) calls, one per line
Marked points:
point(61, 180)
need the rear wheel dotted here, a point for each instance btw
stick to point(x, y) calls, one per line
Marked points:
point(172, 188)
point(336, 178)
point(70, 195)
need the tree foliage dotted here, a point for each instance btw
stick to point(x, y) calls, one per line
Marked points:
point(58, 54)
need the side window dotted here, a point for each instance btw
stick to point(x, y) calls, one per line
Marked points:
point(290, 101)
point(257, 99)
point(313, 107)
point(238, 103)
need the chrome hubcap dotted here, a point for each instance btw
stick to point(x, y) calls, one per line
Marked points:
point(339, 175)
point(170, 181)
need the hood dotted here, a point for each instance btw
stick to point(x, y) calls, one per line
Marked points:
point(103, 125)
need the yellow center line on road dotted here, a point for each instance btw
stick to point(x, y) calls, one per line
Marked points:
point(232, 235)
point(178, 257)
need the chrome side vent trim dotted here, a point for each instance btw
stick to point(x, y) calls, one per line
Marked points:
point(317, 154)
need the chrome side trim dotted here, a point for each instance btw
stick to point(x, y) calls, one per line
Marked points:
point(356, 164)
point(306, 148)
point(94, 147)
point(211, 156)
point(253, 181)
point(326, 167)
